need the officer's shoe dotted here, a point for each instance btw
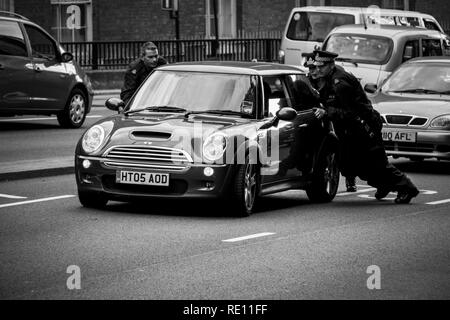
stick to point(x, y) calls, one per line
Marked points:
point(350, 183)
point(381, 193)
point(405, 196)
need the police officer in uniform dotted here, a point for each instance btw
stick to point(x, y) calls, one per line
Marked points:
point(139, 69)
point(316, 81)
point(358, 127)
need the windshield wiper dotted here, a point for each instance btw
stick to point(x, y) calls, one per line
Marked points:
point(157, 109)
point(417, 90)
point(225, 112)
point(347, 60)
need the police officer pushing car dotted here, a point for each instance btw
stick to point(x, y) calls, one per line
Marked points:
point(139, 69)
point(358, 126)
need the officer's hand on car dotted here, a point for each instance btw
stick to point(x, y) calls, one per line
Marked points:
point(319, 113)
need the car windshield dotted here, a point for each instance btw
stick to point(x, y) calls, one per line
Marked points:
point(423, 78)
point(360, 48)
point(196, 92)
point(314, 26)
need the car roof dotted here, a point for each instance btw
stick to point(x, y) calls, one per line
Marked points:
point(362, 10)
point(385, 30)
point(12, 16)
point(233, 67)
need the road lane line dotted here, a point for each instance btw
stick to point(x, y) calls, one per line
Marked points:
point(36, 200)
point(11, 196)
point(38, 119)
point(257, 235)
point(356, 192)
point(439, 202)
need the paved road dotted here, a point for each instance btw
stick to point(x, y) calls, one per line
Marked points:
point(193, 250)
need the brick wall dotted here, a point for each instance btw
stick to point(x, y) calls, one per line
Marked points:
point(144, 19)
point(39, 11)
point(265, 15)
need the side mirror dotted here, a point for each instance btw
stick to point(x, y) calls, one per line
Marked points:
point(66, 57)
point(286, 114)
point(370, 87)
point(115, 104)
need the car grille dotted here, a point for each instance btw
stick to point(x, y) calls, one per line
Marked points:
point(153, 157)
point(404, 120)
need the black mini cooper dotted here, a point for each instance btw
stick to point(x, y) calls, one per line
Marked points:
point(229, 130)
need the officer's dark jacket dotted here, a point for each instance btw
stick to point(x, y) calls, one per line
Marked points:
point(136, 73)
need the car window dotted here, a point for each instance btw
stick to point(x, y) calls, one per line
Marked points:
point(431, 25)
point(314, 26)
point(411, 50)
point(431, 47)
point(12, 42)
point(198, 91)
point(41, 45)
point(275, 96)
point(408, 21)
point(360, 48)
point(426, 78)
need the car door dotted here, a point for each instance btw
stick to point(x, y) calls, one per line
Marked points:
point(282, 134)
point(52, 80)
point(16, 79)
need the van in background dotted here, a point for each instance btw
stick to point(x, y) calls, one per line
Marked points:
point(307, 27)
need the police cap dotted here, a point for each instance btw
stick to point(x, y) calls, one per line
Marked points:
point(322, 57)
point(308, 59)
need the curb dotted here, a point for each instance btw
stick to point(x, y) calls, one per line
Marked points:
point(36, 173)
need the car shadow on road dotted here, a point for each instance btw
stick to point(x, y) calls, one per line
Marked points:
point(426, 166)
point(202, 208)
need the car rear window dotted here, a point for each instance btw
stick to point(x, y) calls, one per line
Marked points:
point(315, 26)
point(360, 48)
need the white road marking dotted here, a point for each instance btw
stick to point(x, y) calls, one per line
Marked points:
point(36, 200)
point(356, 192)
point(39, 119)
point(439, 202)
point(9, 196)
point(366, 196)
point(257, 235)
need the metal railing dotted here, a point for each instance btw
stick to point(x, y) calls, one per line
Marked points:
point(118, 54)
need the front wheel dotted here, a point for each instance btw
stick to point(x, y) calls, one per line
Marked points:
point(92, 199)
point(246, 188)
point(74, 112)
point(325, 179)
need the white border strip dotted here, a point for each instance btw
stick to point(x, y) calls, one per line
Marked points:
point(257, 235)
point(439, 202)
point(36, 200)
point(11, 196)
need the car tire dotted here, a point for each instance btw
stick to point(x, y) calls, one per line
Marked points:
point(246, 189)
point(74, 112)
point(92, 199)
point(325, 177)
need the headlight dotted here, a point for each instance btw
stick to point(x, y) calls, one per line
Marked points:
point(214, 146)
point(441, 122)
point(93, 139)
point(281, 56)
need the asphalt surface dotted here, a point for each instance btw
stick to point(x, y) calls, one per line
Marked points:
point(195, 250)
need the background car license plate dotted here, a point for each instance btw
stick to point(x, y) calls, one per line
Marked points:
point(145, 178)
point(396, 135)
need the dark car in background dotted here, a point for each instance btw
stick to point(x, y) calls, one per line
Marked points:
point(37, 76)
point(208, 130)
point(415, 105)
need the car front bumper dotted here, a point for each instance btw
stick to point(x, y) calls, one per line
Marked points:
point(189, 182)
point(429, 144)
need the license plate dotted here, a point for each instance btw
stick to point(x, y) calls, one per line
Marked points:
point(144, 178)
point(398, 135)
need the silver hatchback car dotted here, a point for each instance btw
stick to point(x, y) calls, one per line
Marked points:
point(37, 76)
point(415, 105)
